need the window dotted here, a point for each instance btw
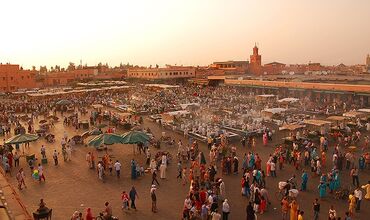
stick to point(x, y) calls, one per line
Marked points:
point(11, 78)
point(3, 78)
point(22, 77)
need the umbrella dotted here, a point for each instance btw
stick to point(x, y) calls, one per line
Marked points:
point(135, 137)
point(63, 102)
point(106, 139)
point(22, 138)
point(92, 132)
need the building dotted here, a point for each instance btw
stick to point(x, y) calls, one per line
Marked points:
point(255, 61)
point(274, 68)
point(13, 78)
point(170, 72)
point(67, 77)
point(368, 63)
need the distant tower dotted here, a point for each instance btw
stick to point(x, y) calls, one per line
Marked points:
point(368, 60)
point(255, 59)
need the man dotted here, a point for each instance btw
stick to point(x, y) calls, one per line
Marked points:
point(316, 209)
point(133, 195)
point(154, 177)
point(273, 168)
point(354, 175)
point(225, 210)
point(55, 157)
point(43, 151)
point(358, 196)
point(154, 198)
point(20, 178)
point(117, 168)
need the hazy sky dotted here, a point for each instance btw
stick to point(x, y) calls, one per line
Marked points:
point(188, 32)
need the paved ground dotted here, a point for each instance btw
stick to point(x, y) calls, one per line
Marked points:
point(72, 186)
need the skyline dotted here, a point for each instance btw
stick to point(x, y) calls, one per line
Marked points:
point(183, 33)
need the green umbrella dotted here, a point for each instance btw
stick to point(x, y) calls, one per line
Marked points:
point(63, 102)
point(106, 139)
point(135, 137)
point(22, 138)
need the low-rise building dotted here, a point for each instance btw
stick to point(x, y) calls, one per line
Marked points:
point(170, 72)
point(13, 78)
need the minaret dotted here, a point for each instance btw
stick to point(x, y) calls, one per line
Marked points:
point(368, 60)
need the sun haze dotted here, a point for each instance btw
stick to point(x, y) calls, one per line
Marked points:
point(191, 32)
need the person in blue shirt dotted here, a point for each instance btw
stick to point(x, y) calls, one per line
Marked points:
point(304, 181)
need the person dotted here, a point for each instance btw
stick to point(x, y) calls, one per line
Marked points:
point(125, 198)
point(179, 170)
point(133, 169)
point(41, 173)
point(20, 178)
point(117, 168)
point(304, 181)
point(225, 210)
point(293, 210)
point(55, 157)
point(250, 212)
point(42, 206)
point(316, 209)
point(300, 216)
point(154, 177)
point(16, 159)
point(354, 175)
point(133, 195)
point(215, 215)
point(358, 197)
point(332, 213)
point(107, 213)
point(154, 198)
point(322, 189)
point(89, 215)
point(367, 188)
point(351, 203)
point(284, 208)
point(43, 151)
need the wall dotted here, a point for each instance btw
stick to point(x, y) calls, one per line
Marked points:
point(13, 78)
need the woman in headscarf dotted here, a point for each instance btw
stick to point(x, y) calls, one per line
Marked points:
point(293, 210)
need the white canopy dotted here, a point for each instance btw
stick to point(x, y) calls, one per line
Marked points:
point(174, 113)
point(274, 110)
point(184, 106)
point(366, 110)
point(288, 100)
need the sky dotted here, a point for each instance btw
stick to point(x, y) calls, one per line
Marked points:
point(183, 32)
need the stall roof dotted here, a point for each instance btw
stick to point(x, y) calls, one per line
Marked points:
point(274, 110)
point(177, 113)
point(365, 110)
point(97, 106)
point(316, 122)
point(266, 96)
point(353, 114)
point(162, 86)
point(336, 118)
point(291, 127)
point(288, 100)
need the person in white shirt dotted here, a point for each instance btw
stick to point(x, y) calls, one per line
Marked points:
point(225, 210)
point(215, 215)
point(358, 196)
point(273, 169)
point(117, 168)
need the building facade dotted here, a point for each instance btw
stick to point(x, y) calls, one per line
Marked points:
point(255, 62)
point(13, 78)
point(171, 72)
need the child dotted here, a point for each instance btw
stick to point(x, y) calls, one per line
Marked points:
point(125, 199)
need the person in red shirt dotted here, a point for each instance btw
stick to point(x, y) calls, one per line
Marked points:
point(89, 215)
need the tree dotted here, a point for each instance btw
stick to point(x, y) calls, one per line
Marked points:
point(33, 68)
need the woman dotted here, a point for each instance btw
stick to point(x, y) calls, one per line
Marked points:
point(322, 189)
point(367, 188)
point(293, 210)
point(250, 212)
point(351, 204)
